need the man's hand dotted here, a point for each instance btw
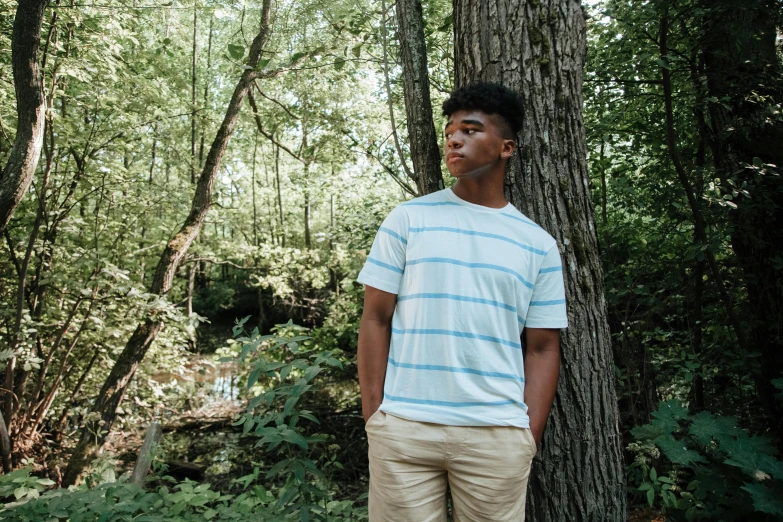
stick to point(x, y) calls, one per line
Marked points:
point(373, 352)
point(542, 368)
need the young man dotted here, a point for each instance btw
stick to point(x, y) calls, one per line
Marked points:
point(453, 280)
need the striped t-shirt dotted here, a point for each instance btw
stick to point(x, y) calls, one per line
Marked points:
point(468, 278)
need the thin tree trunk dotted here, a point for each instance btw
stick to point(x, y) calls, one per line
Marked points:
point(30, 108)
point(308, 243)
point(193, 99)
point(279, 195)
point(253, 189)
point(113, 391)
point(206, 94)
point(5, 446)
point(425, 152)
point(538, 49)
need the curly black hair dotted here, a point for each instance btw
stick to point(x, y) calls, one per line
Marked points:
point(491, 98)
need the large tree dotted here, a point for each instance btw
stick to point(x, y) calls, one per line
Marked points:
point(538, 49)
point(113, 391)
point(18, 171)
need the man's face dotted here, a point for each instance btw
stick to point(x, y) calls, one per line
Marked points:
point(474, 143)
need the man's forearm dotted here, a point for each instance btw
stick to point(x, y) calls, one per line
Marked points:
point(373, 355)
point(542, 369)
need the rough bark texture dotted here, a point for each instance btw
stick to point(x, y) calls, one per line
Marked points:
point(742, 66)
point(538, 49)
point(30, 107)
point(113, 391)
point(425, 152)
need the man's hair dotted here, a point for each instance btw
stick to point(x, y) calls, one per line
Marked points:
point(491, 98)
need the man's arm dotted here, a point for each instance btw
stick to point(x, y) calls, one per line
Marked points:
point(542, 368)
point(374, 339)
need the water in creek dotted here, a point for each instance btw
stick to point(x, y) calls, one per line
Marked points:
point(204, 436)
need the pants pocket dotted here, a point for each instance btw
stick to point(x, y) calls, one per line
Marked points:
point(376, 420)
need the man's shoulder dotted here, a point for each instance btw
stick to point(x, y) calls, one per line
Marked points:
point(531, 231)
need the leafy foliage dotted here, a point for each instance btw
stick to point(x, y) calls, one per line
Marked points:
point(282, 369)
point(714, 469)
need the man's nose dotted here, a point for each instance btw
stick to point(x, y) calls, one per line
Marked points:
point(454, 142)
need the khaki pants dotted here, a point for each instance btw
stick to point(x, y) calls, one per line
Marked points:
point(411, 463)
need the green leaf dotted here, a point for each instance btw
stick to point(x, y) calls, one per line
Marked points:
point(676, 452)
point(311, 372)
point(706, 427)
point(765, 499)
point(753, 455)
point(236, 51)
point(339, 63)
point(649, 431)
point(295, 438)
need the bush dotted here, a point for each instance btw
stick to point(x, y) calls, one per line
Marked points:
point(712, 469)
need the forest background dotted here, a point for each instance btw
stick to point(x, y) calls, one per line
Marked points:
point(189, 189)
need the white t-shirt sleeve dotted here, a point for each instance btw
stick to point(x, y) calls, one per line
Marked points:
point(386, 262)
point(547, 308)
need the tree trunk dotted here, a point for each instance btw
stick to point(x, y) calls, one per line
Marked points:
point(30, 107)
point(113, 390)
point(538, 49)
point(425, 152)
point(308, 242)
point(193, 99)
point(279, 195)
point(743, 70)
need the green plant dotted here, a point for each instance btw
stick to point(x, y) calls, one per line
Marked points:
point(282, 367)
point(713, 470)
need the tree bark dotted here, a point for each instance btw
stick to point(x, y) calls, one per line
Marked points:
point(113, 390)
point(30, 107)
point(425, 152)
point(538, 49)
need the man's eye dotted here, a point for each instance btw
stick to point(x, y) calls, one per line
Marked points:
point(470, 131)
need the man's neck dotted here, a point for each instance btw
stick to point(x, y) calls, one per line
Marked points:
point(486, 191)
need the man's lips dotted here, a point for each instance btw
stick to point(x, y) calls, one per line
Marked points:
point(451, 156)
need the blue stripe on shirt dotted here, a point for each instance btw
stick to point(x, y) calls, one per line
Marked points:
point(481, 234)
point(547, 303)
point(454, 333)
point(454, 369)
point(449, 403)
point(455, 297)
point(523, 220)
point(471, 265)
point(465, 298)
point(551, 269)
point(392, 233)
point(384, 265)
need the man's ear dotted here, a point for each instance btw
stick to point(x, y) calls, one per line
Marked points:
point(508, 149)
